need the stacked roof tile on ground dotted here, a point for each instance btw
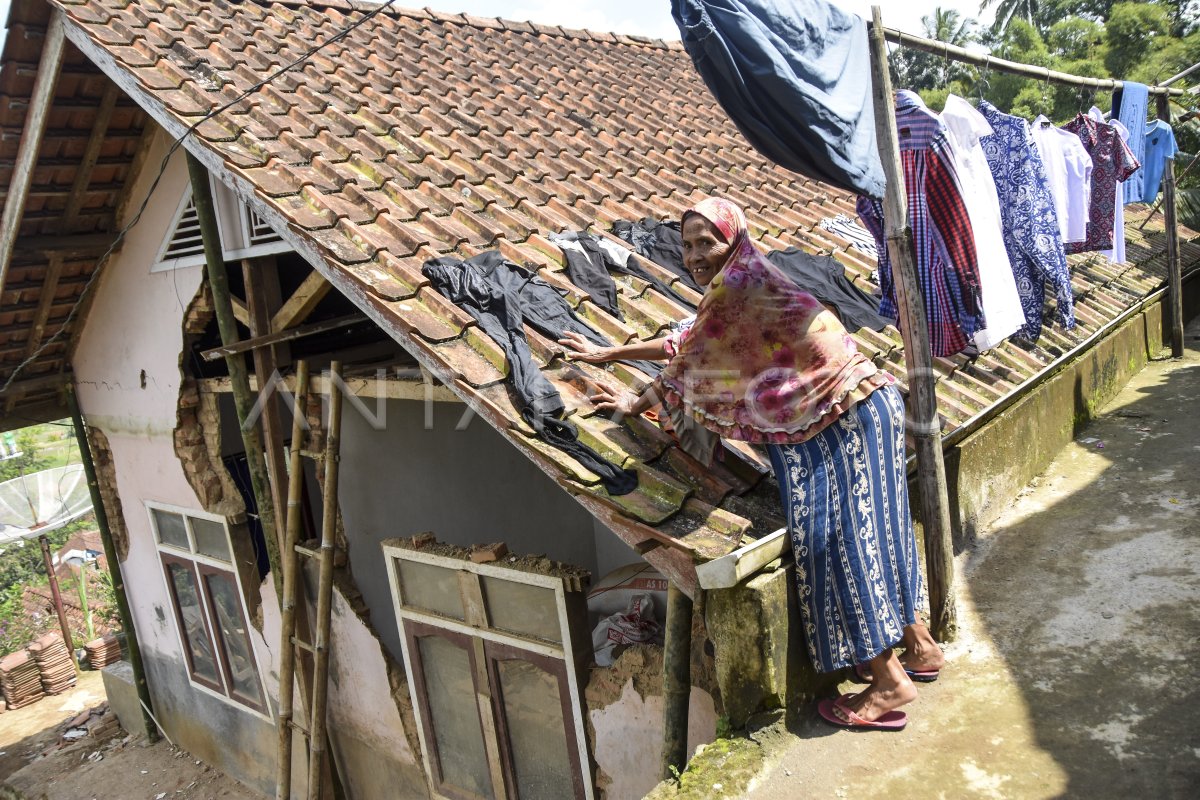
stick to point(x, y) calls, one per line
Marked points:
point(424, 134)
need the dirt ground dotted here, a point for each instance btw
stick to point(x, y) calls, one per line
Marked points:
point(35, 765)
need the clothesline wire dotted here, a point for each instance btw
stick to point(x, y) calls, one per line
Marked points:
point(955, 53)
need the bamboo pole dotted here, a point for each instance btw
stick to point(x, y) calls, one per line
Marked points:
point(57, 598)
point(677, 681)
point(987, 61)
point(218, 281)
point(1174, 271)
point(114, 567)
point(923, 422)
point(287, 650)
point(329, 499)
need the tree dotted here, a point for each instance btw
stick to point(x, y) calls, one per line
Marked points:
point(918, 70)
point(1008, 10)
point(1132, 31)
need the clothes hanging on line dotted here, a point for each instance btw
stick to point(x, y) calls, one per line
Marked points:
point(1032, 236)
point(502, 296)
point(1002, 308)
point(1112, 163)
point(1069, 169)
point(1117, 254)
point(859, 237)
point(1130, 104)
point(795, 77)
point(1160, 146)
point(946, 258)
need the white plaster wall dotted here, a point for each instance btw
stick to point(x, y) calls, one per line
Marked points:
point(629, 738)
point(127, 369)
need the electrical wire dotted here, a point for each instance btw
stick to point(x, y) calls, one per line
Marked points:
point(162, 168)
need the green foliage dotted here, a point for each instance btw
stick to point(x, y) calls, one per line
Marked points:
point(1132, 31)
point(28, 462)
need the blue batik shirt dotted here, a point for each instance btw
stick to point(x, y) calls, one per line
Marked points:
point(1031, 232)
point(1160, 145)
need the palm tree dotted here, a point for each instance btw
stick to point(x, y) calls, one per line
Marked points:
point(1007, 9)
point(947, 25)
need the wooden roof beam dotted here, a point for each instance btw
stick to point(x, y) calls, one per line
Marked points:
point(302, 302)
point(83, 175)
point(80, 245)
point(45, 301)
point(31, 137)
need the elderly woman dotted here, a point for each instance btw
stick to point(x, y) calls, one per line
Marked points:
point(764, 362)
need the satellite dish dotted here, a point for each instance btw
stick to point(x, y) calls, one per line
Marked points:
point(33, 505)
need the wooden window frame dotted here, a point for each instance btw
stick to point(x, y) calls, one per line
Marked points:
point(485, 643)
point(205, 571)
point(199, 566)
point(169, 559)
point(412, 634)
point(495, 652)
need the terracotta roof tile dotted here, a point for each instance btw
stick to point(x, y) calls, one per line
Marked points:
point(425, 134)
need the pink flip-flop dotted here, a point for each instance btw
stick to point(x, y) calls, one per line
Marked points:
point(836, 713)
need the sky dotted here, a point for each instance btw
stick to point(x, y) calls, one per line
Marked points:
point(653, 18)
point(640, 17)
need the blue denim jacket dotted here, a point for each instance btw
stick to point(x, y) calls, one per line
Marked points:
point(795, 77)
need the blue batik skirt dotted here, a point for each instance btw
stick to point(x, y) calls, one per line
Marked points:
point(846, 497)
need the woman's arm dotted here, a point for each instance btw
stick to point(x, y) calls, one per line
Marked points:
point(627, 403)
point(580, 349)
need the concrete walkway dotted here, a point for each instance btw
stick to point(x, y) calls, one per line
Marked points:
point(1076, 672)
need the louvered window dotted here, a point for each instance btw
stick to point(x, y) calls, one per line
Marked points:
point(244, 234)
point(184, 247)
point(259, 232)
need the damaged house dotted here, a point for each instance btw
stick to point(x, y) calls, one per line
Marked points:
point(473, 553)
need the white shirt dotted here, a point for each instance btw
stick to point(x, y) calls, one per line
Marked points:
point(1069, 168)
point(998, 288)
point(1117, 254)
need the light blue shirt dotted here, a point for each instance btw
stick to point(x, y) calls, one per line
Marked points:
point(1160, 145)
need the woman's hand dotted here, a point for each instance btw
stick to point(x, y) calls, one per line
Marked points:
point(620, 403)
point(580, 349)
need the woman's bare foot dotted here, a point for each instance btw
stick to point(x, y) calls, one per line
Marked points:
point(890, 688)
point(921, 652)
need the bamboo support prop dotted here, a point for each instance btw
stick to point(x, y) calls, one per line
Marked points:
point(923, 422)
point(287, 650)
point(114, 567)
point(57, 598)
point(218, 280)
point(329, 499)
point(1174, 270)
point(677, 681)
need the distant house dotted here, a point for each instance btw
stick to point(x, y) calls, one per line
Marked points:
point(417, 136)
point(81, 549)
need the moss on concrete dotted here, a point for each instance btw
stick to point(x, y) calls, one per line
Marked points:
point(724, 768)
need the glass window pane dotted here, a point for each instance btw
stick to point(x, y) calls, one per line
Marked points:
point(210, 538)
point(231, 631)
point(170, 528)
point(520, 608)
point(187, 598)
point(454, 715)
point(431, 588)
point(536, 733)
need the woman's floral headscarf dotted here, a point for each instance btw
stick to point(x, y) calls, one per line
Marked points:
point(764, 361)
